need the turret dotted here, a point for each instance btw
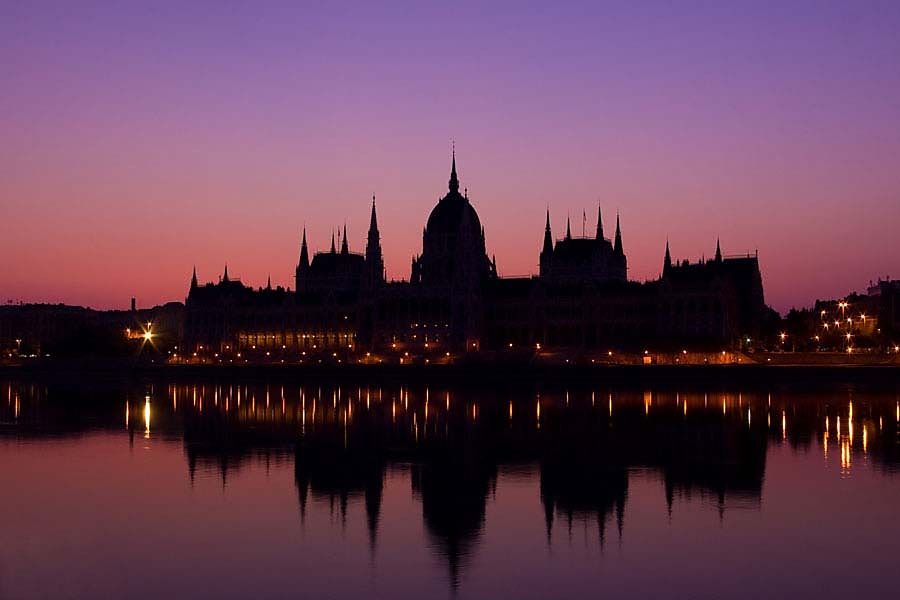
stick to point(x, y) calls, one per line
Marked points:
point(548, 237)
point(416, 275)
point(303, 265)
point(667, 261)
point(304, 253)
point(617, 246)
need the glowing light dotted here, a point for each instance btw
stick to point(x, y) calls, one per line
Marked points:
point(846, 458)
point(147, 416)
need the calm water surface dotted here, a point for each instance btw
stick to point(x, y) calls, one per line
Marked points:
point(266, 491)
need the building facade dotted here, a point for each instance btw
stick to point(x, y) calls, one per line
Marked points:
point(455, 301)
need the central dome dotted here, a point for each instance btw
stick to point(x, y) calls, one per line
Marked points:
point(453, 241)
point(453, 212)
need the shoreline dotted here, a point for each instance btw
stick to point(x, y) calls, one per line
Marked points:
point(469, 374)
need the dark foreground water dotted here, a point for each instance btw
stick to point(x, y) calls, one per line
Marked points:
point(267, 491)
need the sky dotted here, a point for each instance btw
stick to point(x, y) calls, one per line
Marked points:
point(140, 139)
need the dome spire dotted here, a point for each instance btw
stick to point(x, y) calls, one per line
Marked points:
point(454, 180)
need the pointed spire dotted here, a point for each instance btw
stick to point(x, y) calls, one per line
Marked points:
point(374, 257)
point(344, 248)
point(568, 229)
point(548, 236)
point(269, 282)
point(373, 221)
point(194, 279)
point(617, 246)
point(225, 276)
point(718, 251)
point(454, 180)
point(333, 251)
point(304, 252)
point(667, 261)
point(599, 223)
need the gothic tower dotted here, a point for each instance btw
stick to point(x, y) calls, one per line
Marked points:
point(374, 257)
point(547, 250)
point(303, 265)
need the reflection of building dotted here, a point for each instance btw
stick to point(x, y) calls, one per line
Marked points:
point(363, 449)
point(453, 482)
point(454, 299)
point(584, 486)
point(331, 471)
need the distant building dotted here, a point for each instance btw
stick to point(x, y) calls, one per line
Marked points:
point(455, 300)
point(58, 330)
point(889, 308)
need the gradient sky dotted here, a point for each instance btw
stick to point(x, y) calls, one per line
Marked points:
point(140, 140)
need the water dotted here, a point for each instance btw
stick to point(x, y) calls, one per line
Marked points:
point(235, 490)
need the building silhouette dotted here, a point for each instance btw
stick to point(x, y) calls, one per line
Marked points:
point(455, 300)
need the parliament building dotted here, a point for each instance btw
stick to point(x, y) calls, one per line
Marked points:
point(455, 301)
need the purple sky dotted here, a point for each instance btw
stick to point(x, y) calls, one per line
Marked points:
point(139, 141)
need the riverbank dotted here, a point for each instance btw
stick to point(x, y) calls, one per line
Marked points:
point(502, 374)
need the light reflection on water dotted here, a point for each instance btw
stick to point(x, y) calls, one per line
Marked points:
point(388, 491)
